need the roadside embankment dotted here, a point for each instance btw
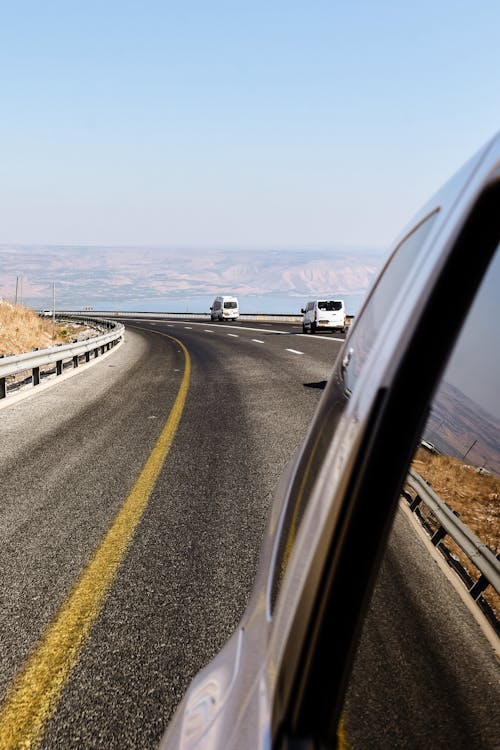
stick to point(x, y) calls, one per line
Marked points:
point(22, 330)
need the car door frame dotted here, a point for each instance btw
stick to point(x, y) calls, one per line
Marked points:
point(312, 644)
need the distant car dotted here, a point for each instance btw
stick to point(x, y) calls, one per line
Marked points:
point(288, 678)
point(225, 308)
point(45, 313)
point(324, 315)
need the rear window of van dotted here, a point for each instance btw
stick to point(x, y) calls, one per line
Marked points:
point(230, 305)
point(330, 305)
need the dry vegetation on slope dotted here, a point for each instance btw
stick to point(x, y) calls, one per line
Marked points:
point(22, 330)
point(473, 495)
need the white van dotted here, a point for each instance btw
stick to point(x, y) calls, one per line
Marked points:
point(225, 308)
point(324, 315)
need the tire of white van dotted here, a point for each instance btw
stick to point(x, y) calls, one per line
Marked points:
point(304, 329)
point(313, 327)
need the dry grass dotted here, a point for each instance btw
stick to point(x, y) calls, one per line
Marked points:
point(22, 330)
point(475, 496)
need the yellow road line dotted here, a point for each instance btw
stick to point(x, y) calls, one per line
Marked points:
point(342, 735)
point(33, 696)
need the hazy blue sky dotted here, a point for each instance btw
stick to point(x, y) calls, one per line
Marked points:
point(208, 123)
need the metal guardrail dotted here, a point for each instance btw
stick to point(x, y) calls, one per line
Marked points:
point(449, 524)
point(11, 365)
point(250, 317)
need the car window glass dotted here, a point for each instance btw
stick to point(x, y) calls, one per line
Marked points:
point(465, 415)
point(380, 301)
point(454, 479)
point(359, 345)
point(459, 454)
point(330, 305)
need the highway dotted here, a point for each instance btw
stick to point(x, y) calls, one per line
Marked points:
point(134, 500)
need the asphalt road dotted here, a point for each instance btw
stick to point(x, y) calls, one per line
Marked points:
point(70, 458)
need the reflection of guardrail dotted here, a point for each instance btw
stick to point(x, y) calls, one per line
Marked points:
point(62, 355)
point(442, 522)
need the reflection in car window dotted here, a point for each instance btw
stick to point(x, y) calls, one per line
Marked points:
point(359, 345)
point(377, 307)
point(459, 454)
point(458, 461)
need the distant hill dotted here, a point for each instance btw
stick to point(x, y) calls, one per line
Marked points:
point(460, 427)
point(92, 275)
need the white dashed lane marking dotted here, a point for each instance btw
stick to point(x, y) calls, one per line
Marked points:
point(236, 335)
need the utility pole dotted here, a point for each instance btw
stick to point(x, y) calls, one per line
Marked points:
point(468, 451)
point(53, 311)
point(17, 285)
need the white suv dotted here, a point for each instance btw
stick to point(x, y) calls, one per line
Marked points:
point(324, 314)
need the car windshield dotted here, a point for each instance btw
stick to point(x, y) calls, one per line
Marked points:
point(330, 305)
point(230, 305)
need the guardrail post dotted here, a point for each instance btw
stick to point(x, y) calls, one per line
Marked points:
point(36, 376)
point(438, 536)
point(415, 503)
point(59, 367)
point(75, 361)
point(407, 496)
point(3, 388)
point(478, 588)
point(87, 356)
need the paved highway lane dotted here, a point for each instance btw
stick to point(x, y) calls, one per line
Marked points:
point(276, 326)
point(425, 675)
point(70, 457)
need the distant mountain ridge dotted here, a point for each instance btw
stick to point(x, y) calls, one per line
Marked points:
point(460, 427)
point(113, 273)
